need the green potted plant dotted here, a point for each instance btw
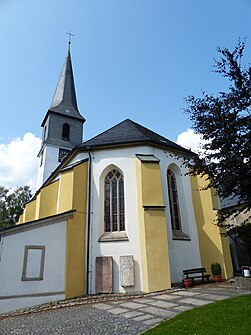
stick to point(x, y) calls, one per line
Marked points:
point(216, 271)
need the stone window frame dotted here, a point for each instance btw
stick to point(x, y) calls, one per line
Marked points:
point(173, 197)
point(25, 261)
point(109, 224)
point(177, 232)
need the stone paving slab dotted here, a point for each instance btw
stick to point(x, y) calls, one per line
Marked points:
point(143, 300)
point(132, 314)
point(164, 313)
point(196, 302)
point(212, 296)
point(166, 296)
point(223, 293)
point(182, 308)
point(143, 317)
point(103, 306)
point(133, 305)
point(217, 289)
point(152, 322)
point(186, 293)
point(115, 316)
point(118, 310)
point(162, 304)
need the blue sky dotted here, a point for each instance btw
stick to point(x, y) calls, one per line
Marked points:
point(134, 59)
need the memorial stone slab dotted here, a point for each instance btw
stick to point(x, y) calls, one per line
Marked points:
point(127, 271)
point(104, 278)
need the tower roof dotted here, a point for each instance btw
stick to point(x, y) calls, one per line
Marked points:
point(64, 100)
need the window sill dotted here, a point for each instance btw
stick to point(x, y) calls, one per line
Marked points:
point(180, 235)
point(114, 237)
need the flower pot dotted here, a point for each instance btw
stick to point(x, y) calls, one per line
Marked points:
point(187, 282)
point(217, 278)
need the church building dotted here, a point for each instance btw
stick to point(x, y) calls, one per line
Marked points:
point(115, 213)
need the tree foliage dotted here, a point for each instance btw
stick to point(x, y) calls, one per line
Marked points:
point(12, 204)
point(224, 121)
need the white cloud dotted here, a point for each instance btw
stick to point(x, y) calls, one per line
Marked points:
point(190, 140)
point(19, 162)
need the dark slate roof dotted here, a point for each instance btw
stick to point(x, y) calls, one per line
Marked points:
point(64, 100)
point(130, 132)
point(229, 202)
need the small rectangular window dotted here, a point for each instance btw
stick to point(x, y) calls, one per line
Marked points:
point(33, 263)
point(66, 132)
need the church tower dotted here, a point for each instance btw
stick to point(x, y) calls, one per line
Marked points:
point(62, 124)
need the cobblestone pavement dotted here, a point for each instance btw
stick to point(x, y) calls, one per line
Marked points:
point(122, 316)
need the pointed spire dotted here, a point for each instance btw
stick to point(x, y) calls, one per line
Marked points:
point(69, 41)
point(64, 100)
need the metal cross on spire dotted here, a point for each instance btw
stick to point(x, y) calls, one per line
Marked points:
point(70, 35)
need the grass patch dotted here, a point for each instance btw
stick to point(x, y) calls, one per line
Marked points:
point(226, 317)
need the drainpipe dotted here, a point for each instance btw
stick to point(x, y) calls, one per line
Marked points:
point(88, 220)
point(1, 247)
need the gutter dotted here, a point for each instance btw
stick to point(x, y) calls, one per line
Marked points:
point(88, 244)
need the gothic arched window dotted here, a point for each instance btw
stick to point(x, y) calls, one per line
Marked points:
point(114, 212)
point(173, 201)
point(66, 132)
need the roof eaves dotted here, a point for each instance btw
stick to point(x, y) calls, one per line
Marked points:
point(150, 142)
point(34, 223)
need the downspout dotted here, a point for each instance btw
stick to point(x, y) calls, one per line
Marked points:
point(1, 246)
point(88, 221)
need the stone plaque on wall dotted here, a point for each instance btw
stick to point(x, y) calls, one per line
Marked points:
point(127, 271)
point(104, 277)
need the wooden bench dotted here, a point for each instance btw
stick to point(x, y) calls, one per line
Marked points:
point(196, 273)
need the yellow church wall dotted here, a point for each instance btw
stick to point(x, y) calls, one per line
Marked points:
point(45, 204)
point(30, 211)
point(38, 198)
point(48, 200)
point(65, 201)
point(52, 199)
point(142, 233)
point(214, 247)
point(75, 273)
point(152, 225)
point(151, 190)
point(156, 250)
point(20, 220)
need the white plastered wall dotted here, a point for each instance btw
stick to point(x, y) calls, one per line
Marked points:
point(103, 162)
point(182, 253)
point(49, 164)
point(16, 293)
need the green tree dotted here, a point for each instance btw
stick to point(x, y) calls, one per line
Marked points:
point(224, 121)
point(12, 204)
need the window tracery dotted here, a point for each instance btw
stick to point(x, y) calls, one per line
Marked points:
point(173, 201)
point(114, 212)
